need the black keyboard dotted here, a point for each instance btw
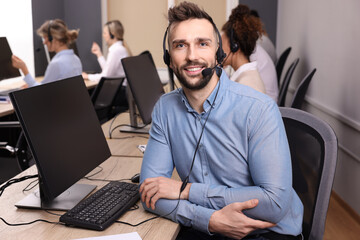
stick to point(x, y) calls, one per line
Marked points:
point(104, 207)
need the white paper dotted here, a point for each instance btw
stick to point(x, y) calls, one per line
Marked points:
point(124, 236)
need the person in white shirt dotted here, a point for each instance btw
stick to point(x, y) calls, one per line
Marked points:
point(239, 36)
point(267, 70)
point(265, 42)
point(113, 34)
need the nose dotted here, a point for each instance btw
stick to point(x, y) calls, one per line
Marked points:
point(192, 53)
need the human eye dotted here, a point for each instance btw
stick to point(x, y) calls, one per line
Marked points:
point(179, 45)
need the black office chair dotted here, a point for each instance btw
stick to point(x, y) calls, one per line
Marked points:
point(104, 98)
point(285, 84)
point(21, 151)
point(301, 90)
point(281, 63)
point(313, 147)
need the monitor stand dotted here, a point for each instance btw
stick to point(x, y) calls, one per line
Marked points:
point(134, 125)
point(138, 129)
point(65, 201)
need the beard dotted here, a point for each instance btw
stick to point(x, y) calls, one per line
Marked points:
point(183, 79)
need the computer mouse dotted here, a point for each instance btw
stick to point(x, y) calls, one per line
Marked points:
point(135, 178)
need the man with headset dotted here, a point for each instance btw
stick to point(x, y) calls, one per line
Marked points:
point(226, 141)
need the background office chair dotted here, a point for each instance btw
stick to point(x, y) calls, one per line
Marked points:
point(313, 147)
point(104, 97)
point(19, 157)
point(301, 90)
point(281, 63)
point(285, 84)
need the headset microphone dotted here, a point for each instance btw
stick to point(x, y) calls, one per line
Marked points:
point(208, 71)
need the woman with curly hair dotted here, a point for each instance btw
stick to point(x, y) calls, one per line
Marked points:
point(253, 66)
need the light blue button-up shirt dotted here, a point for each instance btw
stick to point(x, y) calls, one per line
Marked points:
point(63, 65)
point(243, 155)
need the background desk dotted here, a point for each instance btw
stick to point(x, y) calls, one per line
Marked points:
point(123, 144)
point(114, 168)
point(7, 108)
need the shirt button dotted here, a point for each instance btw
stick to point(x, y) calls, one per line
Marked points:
point(206, 174)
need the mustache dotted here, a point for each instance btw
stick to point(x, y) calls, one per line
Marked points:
point(193, 63)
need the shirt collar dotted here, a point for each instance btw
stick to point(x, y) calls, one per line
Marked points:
point(243, 68)
point(115, 45)
point(221, 85)
point(64, 52)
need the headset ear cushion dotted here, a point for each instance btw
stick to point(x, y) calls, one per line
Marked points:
point(234, 46)
point(220, 55)
point(166, 57)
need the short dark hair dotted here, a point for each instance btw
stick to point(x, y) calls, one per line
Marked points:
point(186, 11)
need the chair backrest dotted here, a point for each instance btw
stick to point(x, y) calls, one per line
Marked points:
point(105, 94)
point(313, 147)
point(281, 63)
point(285, 84)
point(301, 90)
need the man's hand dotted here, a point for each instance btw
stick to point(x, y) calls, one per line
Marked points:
point(152, 189)
point(95, 49)
point(232, 222)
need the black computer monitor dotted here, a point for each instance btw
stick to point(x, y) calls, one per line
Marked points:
point(146, 88)
point(65, 138)
point(6, 68)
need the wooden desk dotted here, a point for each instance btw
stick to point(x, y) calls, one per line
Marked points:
point(114, 168)
point(127, 147)
point(123, 118)
point(7, 108)
point(123, 144)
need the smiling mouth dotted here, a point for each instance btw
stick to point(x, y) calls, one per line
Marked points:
point(193, 70)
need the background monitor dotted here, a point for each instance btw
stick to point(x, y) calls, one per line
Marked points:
point(65, 138)
point(6, 68)
point(146, 88)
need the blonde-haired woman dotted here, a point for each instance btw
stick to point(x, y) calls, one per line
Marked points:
point(57, 37)
point(113, 34)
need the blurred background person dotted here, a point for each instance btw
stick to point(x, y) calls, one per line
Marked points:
point(113, 34)
point(239, 36)
point(264, 41)
point(57, 37)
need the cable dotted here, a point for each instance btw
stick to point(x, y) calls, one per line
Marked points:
point(16, 180)
point(105, 180)
point(125, 125)
point(127, 137)
point(186, 180)
point(28, 223)
point(27, 188)
point(101, 168)
point(112, 124)
point(53, 213)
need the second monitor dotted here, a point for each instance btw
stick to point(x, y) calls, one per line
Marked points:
point(146, 88)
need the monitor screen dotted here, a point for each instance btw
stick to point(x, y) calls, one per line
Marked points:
point(6, 68)
point(63, 133)
point(145, 84)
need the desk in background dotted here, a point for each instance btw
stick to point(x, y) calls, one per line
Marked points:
point(7, 108)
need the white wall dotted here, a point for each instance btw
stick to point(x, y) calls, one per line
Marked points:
point(16, 26)
point(325, 34)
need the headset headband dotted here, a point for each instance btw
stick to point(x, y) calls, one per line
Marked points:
point(220, 54)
